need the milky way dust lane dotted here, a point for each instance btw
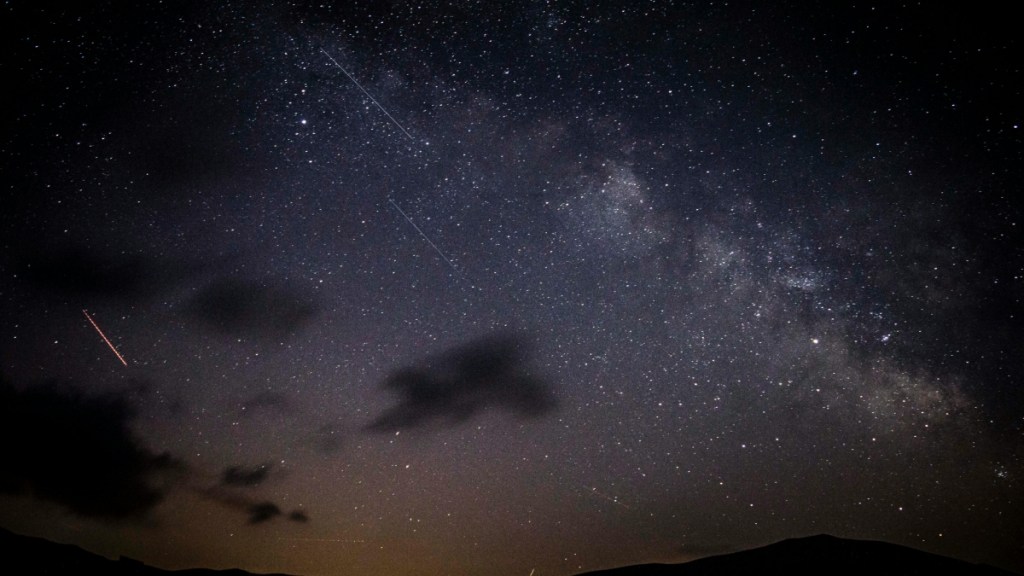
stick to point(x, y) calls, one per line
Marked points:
point(104, 336)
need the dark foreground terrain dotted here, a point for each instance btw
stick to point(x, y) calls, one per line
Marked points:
point(27, 556)
point(816, 555)
point(24, 555)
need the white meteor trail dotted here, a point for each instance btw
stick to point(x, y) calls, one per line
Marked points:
point(322, 540)
point(604, 496)
point(104, 336)
point(372, 99)
point(432, 245)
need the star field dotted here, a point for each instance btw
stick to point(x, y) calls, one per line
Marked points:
point(463, 288)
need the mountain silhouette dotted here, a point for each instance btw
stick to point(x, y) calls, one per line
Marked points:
point(28, 556)
point(816, 555)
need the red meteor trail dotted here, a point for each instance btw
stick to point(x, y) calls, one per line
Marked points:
point(104, 336)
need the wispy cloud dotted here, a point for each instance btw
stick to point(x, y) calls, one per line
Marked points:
point(79, 452)
point(489, 373)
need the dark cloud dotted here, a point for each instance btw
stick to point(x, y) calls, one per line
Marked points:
point(261, 512)
point(230, 496)
point(78, 451)
point(73, 271)
point(245, 478)
point(239, 307)
point(487, 373)
point(328, 439)
point(265, 401)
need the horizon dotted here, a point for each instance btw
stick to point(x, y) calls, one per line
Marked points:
point(869, 552)
point(452, 287)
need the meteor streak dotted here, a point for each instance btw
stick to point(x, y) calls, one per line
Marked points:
point(104, 336)
point(611, 499)
point(406, 132)
point(432, 245)
point(372, 99)
point(322, 540)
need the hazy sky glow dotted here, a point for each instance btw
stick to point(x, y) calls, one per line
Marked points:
point(483, 288)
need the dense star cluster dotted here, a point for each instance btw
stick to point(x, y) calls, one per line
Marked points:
point(509, 287)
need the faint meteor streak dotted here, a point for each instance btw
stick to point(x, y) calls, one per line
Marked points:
point(323, 540)
point(600, 494)
point(104, 336)
point(432, 245)
point(372, 99)
point(395, 122)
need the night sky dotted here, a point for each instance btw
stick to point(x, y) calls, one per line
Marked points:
point(497, 287)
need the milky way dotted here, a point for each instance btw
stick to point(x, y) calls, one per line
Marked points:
point(457, 288)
